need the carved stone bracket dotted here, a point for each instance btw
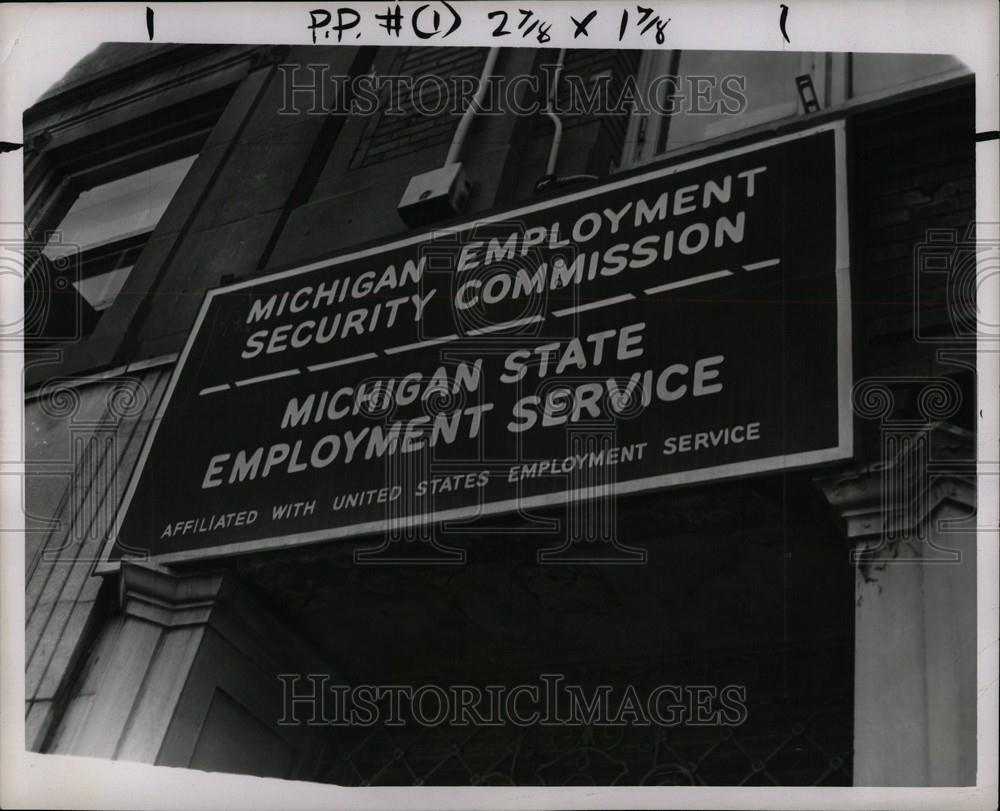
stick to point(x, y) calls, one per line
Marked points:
point(170, 600)
point(891, 501)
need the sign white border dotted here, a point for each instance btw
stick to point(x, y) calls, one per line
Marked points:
point(845, 440)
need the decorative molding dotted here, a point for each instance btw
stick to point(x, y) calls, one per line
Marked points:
point(123, 74)
point(39, 141)
point(154, 594)
point(934, 465)
point(218, 599)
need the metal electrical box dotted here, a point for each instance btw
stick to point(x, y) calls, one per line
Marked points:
point(436, 195)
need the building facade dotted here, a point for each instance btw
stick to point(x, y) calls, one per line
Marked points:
point(837, 601)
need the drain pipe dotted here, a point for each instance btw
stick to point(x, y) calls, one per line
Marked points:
point(550, 178)
point(470, 112)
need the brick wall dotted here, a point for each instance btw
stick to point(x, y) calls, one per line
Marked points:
point(582, 69)
point(394, 135)
point(913, 169)
point(411, 130)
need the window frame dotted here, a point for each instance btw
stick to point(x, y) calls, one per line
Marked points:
point(104, 129)
point(42, 220)
point(119, 251)
point(832, 83)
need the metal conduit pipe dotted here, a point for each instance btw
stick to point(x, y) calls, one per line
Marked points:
point(550, 169)
point(455, 150)
point(550, 179)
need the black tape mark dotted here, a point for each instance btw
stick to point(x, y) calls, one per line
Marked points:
point(149, 22)
point(9, 146)
point(989, 135)
point(784, 19)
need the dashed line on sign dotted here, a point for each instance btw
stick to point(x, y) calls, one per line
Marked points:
point(213, 389)
point(508, 325)
point(767, 263)
point(593, 305)
point(705, 277)
point(263, 378)
point(317, 367)
point(395, 350)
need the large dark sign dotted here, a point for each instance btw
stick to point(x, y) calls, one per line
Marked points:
point(684, 325)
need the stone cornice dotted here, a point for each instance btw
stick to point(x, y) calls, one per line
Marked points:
point(935, 465)
point(123, 75)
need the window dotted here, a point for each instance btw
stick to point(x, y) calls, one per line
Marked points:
point(124, 207)
point(872, 74)
point(715, 93)
point(102, 288)
point(107, 226)
point(103, 161)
